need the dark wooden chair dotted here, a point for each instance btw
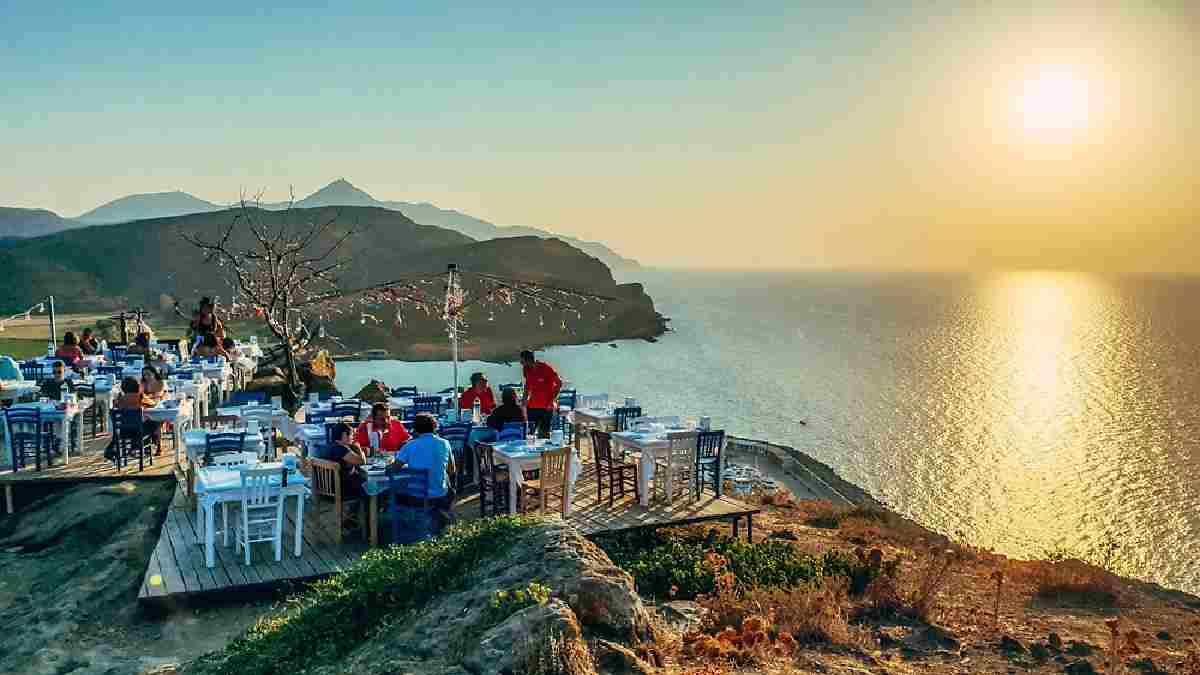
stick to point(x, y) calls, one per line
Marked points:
point(222, 443)
point(624, 416)
point(618, 475)
point(130, 439)
point(709, 447)
point(344, 409)
point(493, 482)
point(27, 435)
point(327, 487)
point(86, 394)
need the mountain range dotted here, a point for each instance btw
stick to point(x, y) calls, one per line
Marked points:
point(149, 263)
point(20, 223)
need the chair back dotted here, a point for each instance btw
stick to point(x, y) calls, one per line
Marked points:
point(709, 445)
point(33, 371)
point(230, 459)
point(681, 446)
point(457, 435)
point(112, 371)
point(626, 415)
point(668, 420)
point(218, 421)
point(225, 441)
point(324, 395)
point(238, 398)
point(127, 424)
point(592, 402)
point(118, 352)
point(23, 422)
point(511, 431)
point(554, 467)
point(257, 490)
point(515, 386)
point(602, 446)
point(326, 477)
point(427, 404)
point(410, 522)
point(405, 392)
point(350, 408)
point(567, 398)
point(83, 391)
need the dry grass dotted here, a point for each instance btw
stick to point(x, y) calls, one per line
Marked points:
point(556, 654)
point(1072, 582)
point(915, 595)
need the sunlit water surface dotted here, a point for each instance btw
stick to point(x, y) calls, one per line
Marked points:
point(1027, 412)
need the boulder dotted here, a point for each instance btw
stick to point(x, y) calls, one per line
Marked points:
point(682, 615)
point(505, 648)
point(373, 392)
point(617, 659)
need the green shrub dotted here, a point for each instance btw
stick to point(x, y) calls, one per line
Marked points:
point(670, 562)
point(506, 603)
point(335, 615)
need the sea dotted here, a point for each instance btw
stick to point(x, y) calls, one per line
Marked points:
point(1030, 412)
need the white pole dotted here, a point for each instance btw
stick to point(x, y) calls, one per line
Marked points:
point(453, 316)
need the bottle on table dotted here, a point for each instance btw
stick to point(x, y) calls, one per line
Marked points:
point(476, 413)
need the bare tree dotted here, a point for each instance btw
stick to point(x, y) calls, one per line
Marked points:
point(279, 271)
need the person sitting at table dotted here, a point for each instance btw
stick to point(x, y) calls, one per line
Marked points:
point(88, 344)
point(431, 452)
point(509, 411)
point(141, 344)
point(153, 386)
point(230, 347)
point(478, 391)
point(69, 352)
point(349, 457)
point(132, 398)
point(57, 384)
point(210, 347)
point(542, 385)
point(392, 434)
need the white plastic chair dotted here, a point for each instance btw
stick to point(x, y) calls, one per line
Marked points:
point(266, 425)
point(666, 420)
point(262, 512)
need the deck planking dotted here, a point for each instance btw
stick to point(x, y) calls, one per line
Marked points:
point(178, 559)
point(90, 465)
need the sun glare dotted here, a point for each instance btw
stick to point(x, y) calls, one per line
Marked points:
point(1054, 103)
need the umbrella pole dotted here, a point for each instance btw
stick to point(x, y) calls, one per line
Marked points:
point(453, 316)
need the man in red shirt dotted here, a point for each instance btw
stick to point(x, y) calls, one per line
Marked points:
point(478, 391)
point(390, 433)
point(541, 392)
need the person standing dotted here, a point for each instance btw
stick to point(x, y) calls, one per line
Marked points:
point(541, 392)
point(88, 343)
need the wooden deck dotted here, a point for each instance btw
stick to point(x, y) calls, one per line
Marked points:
point(177, 568)
point(177, 565)
point(91, 465)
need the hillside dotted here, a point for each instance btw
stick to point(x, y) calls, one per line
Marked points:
point(151, 205)
point(21, 223)
point(148, 263)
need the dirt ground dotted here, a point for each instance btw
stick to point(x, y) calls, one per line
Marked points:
point(73, 561)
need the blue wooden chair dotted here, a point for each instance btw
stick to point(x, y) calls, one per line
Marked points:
point(118, 352)
point(626, 415)
point(33, 371)
point(28, 436)
point(325, 395)
point(342, 409)
point(427, 404)
point(223, 443)
point(457, 436)
point(111, 371)
point(567, 398)
point(405, 392)
point(511, 431)
point(410, 522)
point(559, 422)
point(129, 438)
point(709, 445)
point(243, 397)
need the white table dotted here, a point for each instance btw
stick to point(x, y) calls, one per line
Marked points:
point(520, 457)
point(175, 411)
point(216, 485)
point(11, 390)
point(652, 445)
point(194, 442)
point(198, 391)
point(60, 418)
point(585, 419)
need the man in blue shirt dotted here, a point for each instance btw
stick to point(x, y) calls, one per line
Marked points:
point(429, 451)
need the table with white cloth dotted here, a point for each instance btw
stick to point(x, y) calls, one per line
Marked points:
point(195, 442)
point(520, 456)
point(215, 485)
point(324, 408)
point(197, 391)
point(60, 417)
point(584, 419)
point(11, 390)
point(652, 445)
point(175, 411)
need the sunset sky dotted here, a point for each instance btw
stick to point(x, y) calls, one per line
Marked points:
point(782, 135)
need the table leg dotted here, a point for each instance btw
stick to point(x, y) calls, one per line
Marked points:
point(209, 544)
point(200, 518)
point(8, 500)
point(513, 487)
point(299, 524)
point(373, 519)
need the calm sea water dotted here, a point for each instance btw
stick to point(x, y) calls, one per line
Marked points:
point(1024, 411)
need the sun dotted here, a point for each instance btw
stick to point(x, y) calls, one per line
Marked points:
point(1054, 103)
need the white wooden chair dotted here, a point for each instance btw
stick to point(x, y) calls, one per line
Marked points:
point(592, 401)
point(266, 425)
point(668, 420)
point(262, 512)
point(673, 473)
point(230, 460)
point(551, 481)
